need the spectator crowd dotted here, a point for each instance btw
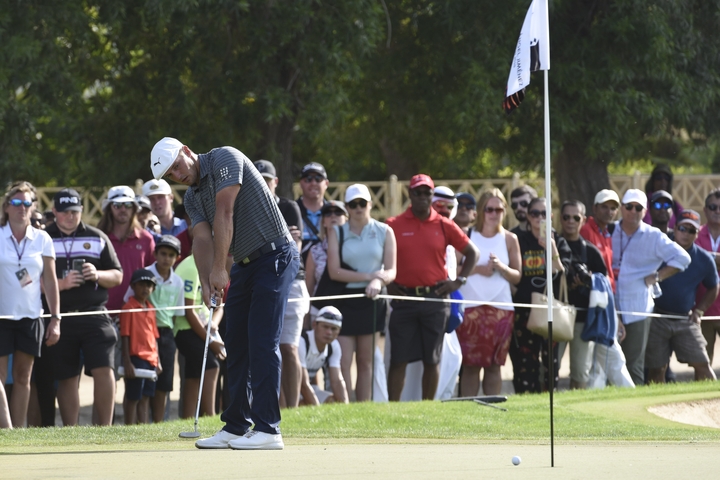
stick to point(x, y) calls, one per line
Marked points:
point(123, 299)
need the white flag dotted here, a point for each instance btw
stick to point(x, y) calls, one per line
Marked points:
point(532, 52)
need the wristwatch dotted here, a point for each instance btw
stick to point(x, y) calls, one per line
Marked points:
point(57, 317)
point(463, 280)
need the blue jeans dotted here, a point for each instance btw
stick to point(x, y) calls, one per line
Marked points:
point(254, 312)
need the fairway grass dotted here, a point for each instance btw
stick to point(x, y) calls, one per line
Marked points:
point(610, 415)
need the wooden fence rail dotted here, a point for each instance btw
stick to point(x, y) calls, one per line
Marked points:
point(391, 197)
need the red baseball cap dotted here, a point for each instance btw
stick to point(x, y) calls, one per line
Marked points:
point(421, 179)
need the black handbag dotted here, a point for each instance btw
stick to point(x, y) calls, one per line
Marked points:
point(327, 286)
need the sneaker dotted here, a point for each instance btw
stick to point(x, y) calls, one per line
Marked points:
point(220, 440)
point(254, 440)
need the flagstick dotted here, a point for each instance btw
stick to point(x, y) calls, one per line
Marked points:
point(548, 269)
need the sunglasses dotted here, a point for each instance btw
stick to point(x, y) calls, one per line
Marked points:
point(712, 206)
point(538, 213)
point(521, 203)
point(629, 207)
point(119, 205)
point(661, 205)
point(497, 210)
point(684, 229)
point(16, 202)
point(314, 178)
point(362, 203)
point(421, 193)
point(333, 212)
point(466, 206)
point(567, 217)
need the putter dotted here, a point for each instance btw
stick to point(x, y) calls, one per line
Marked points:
point(195, 433)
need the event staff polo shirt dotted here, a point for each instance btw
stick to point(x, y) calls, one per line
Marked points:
point(134, 253)
point(93, 246)
point(16, 300)
point(421, 247)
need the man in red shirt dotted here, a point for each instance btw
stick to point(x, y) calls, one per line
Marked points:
point(596, 230)
point(417, 328)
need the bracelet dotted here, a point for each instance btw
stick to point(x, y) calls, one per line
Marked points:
point(555, 257)
point(657, 277)
point(56, 317)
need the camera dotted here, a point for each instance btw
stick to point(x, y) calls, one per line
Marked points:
point(583, 274)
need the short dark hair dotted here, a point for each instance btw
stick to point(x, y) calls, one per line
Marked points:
point(713, 193)
point(522, 190)
point(536, 200)
point(573, 203)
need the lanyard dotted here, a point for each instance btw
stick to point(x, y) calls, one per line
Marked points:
point(17, 250)
point(622, 249)
point(714, 244)
point(68, 253)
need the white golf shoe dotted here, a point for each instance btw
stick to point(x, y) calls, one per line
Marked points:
point(220, 440)
point(254, 440)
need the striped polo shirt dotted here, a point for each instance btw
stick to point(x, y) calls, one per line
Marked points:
point(256, 217)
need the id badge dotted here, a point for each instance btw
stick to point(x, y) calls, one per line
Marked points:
point(23, 277)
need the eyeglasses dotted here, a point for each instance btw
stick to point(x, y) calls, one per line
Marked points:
point(567, 217)
point(362, 203)
point(314, 178)
point(497, 210)
point(521, 203)
point(629, 207)
point(16, 202)
point(119, 205)
point(712, 206)
point(661, 205)
point(466, 206)
point(420, 193)
point(684, 229)
point(538, 213)
point(333, 212)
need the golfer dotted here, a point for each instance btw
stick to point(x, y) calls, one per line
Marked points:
point(232, 210)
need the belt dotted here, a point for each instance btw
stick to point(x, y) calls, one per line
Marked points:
point(271, 246)
point(417, 291)
point(665, 312)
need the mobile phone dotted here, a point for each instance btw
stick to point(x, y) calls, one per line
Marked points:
point(543, 228)
point(77, 265)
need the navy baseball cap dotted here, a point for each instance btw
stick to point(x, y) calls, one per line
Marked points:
point(465, 196)
point(67, 200)
point(142, 275)
point(169, 241)
point(313, 167)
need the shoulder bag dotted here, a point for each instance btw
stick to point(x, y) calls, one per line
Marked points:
point(563, 315)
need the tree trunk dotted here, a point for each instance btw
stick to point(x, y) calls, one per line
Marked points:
point(579, 177)
point(395, 162)
point(278, 149)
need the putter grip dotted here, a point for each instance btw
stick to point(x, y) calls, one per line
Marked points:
point(140, 373)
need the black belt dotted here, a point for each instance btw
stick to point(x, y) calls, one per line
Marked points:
point(665, 312)
point(271, 246)
point(417, 291)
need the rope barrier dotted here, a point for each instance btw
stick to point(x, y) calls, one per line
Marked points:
point(360, 295)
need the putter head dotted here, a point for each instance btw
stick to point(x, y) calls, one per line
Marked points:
point(194, 434)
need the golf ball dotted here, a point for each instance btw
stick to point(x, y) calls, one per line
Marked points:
point(516, 460)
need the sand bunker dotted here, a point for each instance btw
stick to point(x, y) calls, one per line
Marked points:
point(704, 413)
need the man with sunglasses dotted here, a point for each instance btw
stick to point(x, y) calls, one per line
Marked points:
point(709, 239)
point(598, 229)
point(519, 200)
point(586, 260)
point(313, 183)
point(661, 203)
point(680, 330)
point(466, 211)
point(417, 328)
point(134, 245)
point(232, 210)
point(642, 257)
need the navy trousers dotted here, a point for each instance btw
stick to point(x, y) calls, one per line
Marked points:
point(254, 313)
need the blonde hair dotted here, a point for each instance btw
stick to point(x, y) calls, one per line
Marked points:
point(482, 203)
point(17, 187)
point(107, 222)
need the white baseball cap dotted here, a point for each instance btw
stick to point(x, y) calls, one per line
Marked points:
point(156, 187)
point(119, 194)
point(357, 190)
point(163, 155)
point(635, 195)
point(331, 315)
point(606, 195)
